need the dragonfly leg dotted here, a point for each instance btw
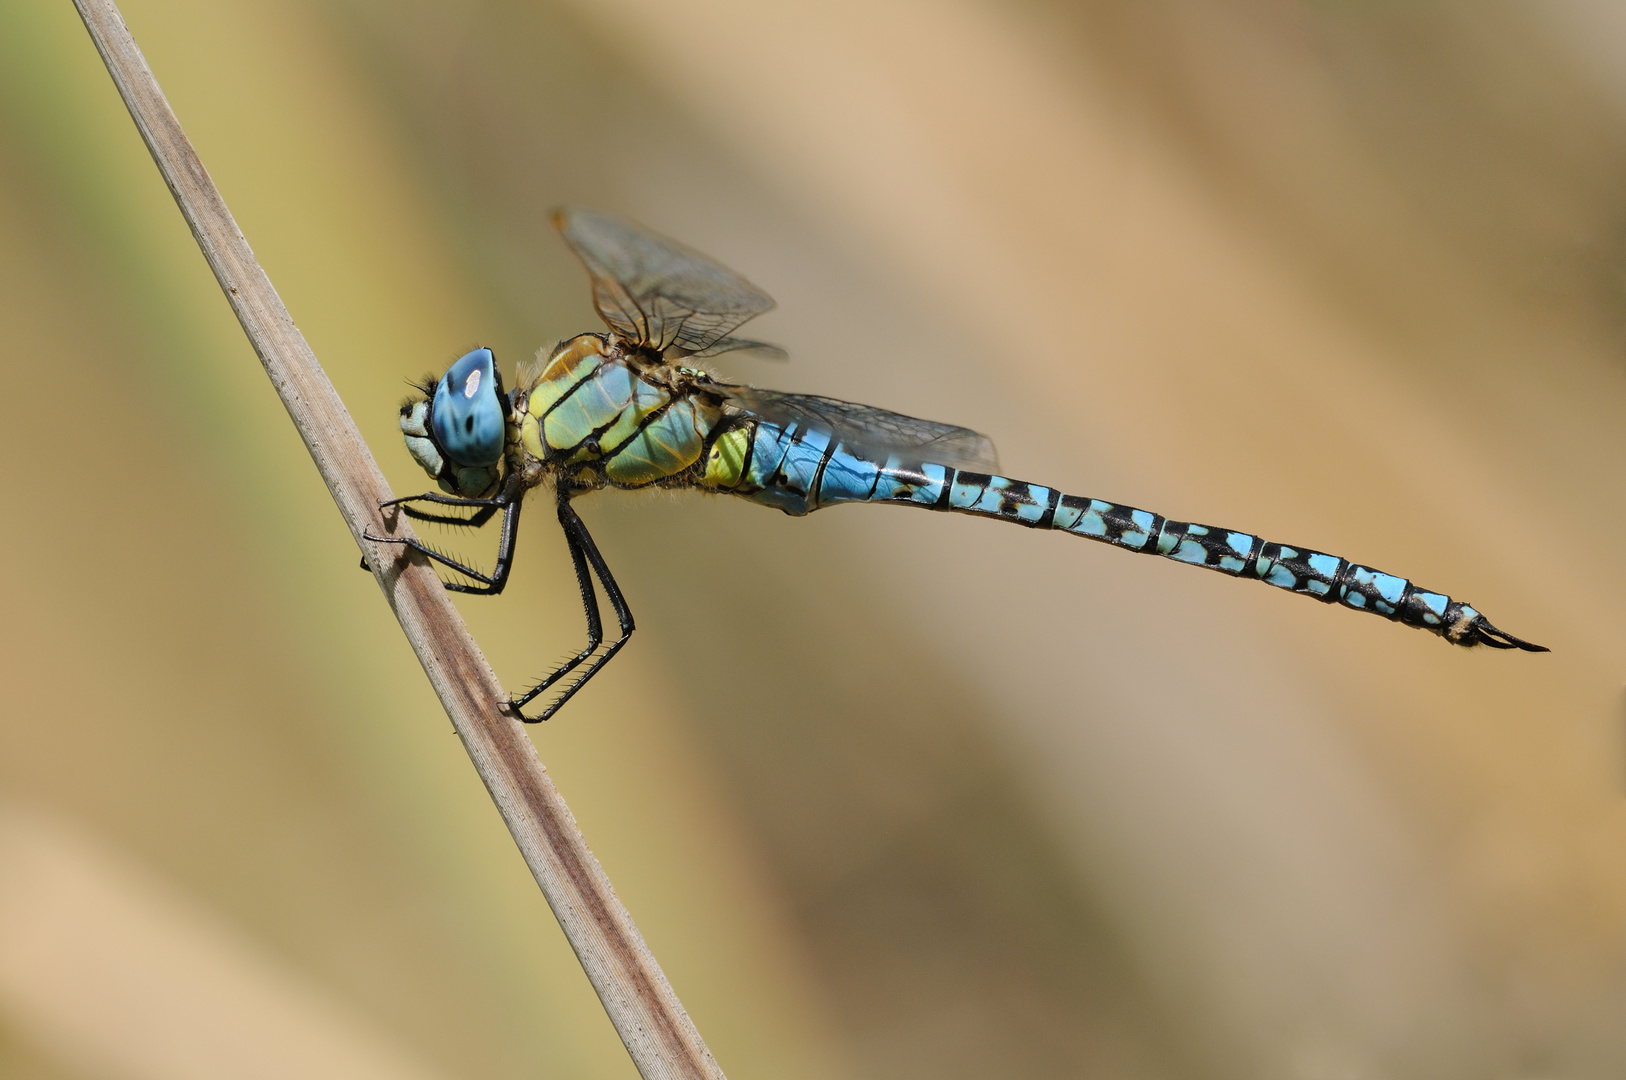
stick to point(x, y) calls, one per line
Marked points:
point(487, 507)
point(588, 562)
point(508, 502)
point(595, 629)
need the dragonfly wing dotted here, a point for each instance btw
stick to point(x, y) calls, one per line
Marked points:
point(738, 344)
point(654, 290)
point(873, 433)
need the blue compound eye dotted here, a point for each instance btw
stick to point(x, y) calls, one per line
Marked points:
point(467, 417)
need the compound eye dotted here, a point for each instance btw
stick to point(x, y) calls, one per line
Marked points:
point(467, 415)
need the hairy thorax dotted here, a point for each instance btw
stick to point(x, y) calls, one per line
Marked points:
point(603, 413)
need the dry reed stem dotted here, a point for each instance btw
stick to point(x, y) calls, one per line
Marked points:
point(646, 1013)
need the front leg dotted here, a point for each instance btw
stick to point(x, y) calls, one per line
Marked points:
point(487, 507)
point(509, 502)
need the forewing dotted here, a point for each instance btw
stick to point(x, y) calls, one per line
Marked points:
point(654, 290)
point(875, 434)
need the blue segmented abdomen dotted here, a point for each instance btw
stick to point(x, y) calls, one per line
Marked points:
point(799, 470)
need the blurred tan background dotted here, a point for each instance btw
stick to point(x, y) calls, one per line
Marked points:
point(890, 794)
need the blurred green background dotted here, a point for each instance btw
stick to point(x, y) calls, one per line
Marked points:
point(890, 794)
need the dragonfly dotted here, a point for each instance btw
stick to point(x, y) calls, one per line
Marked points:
point(628, 409)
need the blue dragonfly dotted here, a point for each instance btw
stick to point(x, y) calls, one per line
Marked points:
point(625, 409)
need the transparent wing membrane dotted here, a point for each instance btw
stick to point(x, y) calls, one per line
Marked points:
point(763, 349)
point(657, 292)
point(876, 433)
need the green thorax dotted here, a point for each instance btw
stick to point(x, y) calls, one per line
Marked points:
point(604, 412)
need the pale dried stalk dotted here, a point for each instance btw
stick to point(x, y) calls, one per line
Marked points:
point(652, 1023)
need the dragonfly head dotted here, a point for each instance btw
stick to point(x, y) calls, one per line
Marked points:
point(456, 431)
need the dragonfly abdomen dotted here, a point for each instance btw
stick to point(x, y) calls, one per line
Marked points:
point(1329, 578)
point(799, 471)
point(790, 468)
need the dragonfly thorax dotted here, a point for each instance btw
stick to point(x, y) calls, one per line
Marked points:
point(604, 412)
